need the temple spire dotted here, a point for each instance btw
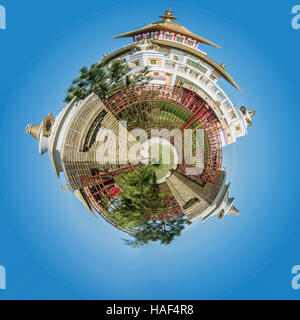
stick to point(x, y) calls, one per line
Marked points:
point(33, 130)
point(234, 211)
point(248, 115)
point(168, 16)
point(41, 130)
point(252, 113)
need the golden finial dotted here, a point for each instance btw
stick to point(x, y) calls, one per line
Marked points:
point(43, 129)
point(252, 113)
point(168, 16)
point(221, 214)
point(248, 113)
point(234, 211)
point(33, 130)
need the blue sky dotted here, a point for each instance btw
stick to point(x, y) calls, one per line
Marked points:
point(53, 249)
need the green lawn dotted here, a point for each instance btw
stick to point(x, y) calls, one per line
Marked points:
point(161, 169)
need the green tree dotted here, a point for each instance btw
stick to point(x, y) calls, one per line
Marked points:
point(139, 199)
point(164, 231)
point(104, 81)
point(138, 208)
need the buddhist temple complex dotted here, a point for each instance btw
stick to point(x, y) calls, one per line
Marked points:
point(183, 92)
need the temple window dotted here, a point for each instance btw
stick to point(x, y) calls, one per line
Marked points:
point(196, 65)
point(175, 58)
point(138, 38)
point(179, 39)
point(190, 43)
point(156, 62)
point(169, 36)
point(232, 114)
point(182, 68)
point(194, 74)
point(169, 64)
point(190, 203)
point(135, 63)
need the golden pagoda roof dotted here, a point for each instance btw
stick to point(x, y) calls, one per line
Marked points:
point(169, 25)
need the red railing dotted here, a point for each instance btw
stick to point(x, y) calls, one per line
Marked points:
point(149, 107)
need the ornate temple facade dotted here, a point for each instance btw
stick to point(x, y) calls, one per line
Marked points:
point(172, 54)
point(183, 76)
point(71, 143)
